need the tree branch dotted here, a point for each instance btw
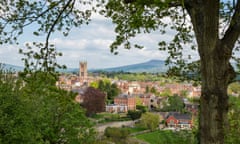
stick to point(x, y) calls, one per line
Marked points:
point(233, 31)
point(54, 24)
point(175, 3)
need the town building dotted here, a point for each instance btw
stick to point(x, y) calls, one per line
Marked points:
point(178, 120)
point(122, 103)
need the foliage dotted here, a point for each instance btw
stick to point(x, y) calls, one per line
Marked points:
point(147, 89)
point(136, 76)
point(136, 129)
point(110, 89)
point(153, 90)
point(34, 110)
point(141, 108)
point(93, 101)
point(184, 93)
point(234, 88)
point(233, 131)
point(149, 121)
point(214, 24)
point(166, 93)
point(175, 103)
point(138, 101)
point(14, 120)
point(134, 114)
point(47, 17)
point(116, 133)
point(110, 117)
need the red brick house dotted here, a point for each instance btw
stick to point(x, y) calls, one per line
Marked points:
point(113, 108)
point(178, 120)
point(125, 99)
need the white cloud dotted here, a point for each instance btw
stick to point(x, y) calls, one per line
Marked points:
point(91, 43)
point(9, 54)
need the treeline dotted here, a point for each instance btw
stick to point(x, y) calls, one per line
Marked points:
point(143, 76)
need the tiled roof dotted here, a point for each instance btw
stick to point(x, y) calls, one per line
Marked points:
point(182, 116)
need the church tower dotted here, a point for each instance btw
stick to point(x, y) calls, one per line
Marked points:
point(83, 72)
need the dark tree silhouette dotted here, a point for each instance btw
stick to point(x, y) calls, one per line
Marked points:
point(93, 101)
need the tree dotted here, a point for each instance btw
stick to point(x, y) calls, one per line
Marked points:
point(14, 120)
point(34, 110)
point(216, 27)
point(184, 93)
point(175, 104)
point(149, 121)
point(53, 114)
point(134, 114)
point(93, 101)
point(147, 89)
point(166, 92)
point(118, 135)
point(110, 89)
point(234, 123)
point(153, 90)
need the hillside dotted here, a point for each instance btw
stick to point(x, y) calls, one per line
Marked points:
point(11, 67)
point(150, 66)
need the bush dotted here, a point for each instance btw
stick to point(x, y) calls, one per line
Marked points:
point(134, 114)
point(116, 133)
point(149, 121)
point(141, 108)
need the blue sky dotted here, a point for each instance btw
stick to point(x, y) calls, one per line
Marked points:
point(91, 43)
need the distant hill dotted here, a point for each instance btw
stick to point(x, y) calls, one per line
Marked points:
point(152, 66)
point(11, 67)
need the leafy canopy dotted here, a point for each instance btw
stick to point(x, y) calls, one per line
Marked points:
point(134, 17)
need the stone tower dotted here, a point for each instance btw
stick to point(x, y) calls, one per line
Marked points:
point(83, 72)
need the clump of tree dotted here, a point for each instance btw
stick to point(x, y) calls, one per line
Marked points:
point(166, 93)
point(93, 101)
point(34, 110)
point(134, 114)
point(149, 121)
point(175, 103)
point(109, 88)
point(141, 108)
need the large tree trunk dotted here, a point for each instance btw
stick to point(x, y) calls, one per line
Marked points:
point(216, 72)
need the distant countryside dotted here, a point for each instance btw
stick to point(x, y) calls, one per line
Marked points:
point(144, 108)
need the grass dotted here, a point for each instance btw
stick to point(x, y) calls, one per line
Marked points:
point(166, 137)
point(136, 129)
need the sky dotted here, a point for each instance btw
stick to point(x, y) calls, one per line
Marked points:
point(91, 43)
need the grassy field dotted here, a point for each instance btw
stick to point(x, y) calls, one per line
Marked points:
point(167, 137)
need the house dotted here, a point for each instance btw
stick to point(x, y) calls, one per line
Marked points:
point(134, 87)
point(178, 120)
point(127, 100)
point(114, 108)
point(193, 108)
point(146, 99)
